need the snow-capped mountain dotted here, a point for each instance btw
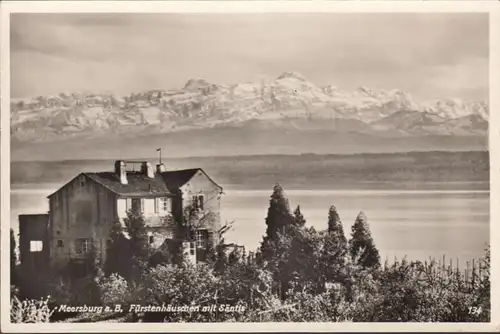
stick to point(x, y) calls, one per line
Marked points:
point(289, 101)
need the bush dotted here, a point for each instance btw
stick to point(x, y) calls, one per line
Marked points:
point(113, 289)
point(29, 311)
point(298, 275)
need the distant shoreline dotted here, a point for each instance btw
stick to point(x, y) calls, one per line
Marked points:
point(242, 191)
point(254, 156)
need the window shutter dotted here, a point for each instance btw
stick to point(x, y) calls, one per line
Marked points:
point(122, 207)
point(201, 200)
point(156, 205)
point(142, 205)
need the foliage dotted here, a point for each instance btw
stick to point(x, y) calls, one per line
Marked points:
point(299, 274)
point(13, 259)
point(138, 242)
point(113, 289)
point(119, 256)
point(298, 217)
point(335, 228)
point(361, 245)
point(278, 214)
point(29, 311)
point(334, 253)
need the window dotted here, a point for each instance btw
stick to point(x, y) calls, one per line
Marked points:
point(60, 243)
point(191, 248)
point(201, 238)
point(136, 205)
point(199, 201)
point(151, 239)
point(83, 246)
point(128, 205)
point(163, 205)
point(82, 182)
point(36, 245)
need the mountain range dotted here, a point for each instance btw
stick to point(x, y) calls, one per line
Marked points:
point(289, 104)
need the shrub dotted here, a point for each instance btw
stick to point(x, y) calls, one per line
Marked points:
point(29, 311)
point(113, 289)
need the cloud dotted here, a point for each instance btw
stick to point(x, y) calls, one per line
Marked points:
point(127, 52)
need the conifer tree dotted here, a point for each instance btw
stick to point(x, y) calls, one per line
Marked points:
point(333, 256)
point(278, 220)
point(335, 228)
point(299, 218)
point(278, 214)
point(361, 246)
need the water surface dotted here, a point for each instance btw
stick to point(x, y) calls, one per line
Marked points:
point(415, 223)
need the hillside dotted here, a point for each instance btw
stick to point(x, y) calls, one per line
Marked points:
point(288, 103)
point(413, 170)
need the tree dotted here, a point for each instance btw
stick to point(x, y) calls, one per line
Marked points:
point(299, 218)
point(221, 261)
point(361, 246)
point(304, 259)
point(278, 220)
point(13, 259)
point(278, 214)
point(335, 227)
point(139, 242)
point(118, 257)
point(236, 256)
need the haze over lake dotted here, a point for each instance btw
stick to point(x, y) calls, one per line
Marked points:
point(418, 205)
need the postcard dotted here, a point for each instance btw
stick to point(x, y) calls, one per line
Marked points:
point(249, 166)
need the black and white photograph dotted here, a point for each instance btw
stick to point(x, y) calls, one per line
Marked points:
point(247, 167)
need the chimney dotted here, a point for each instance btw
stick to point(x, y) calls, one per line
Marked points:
point(120, 171)
point(147, 170)
point(160, 168)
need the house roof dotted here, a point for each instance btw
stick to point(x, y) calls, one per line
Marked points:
point(139, 185)
point(177, 178)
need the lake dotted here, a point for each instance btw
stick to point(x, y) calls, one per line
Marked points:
point(415, 223)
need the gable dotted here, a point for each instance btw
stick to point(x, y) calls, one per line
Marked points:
point(200, 181)
point(177, 179)
point(80, 177)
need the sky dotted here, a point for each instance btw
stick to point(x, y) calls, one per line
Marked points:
point(427, 55)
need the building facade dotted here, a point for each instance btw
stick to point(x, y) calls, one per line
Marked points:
point(82, 212)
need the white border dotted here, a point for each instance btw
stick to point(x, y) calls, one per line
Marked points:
point(255, 7)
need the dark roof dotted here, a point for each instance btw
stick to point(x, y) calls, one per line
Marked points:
point(177, 178)
point(138, 183)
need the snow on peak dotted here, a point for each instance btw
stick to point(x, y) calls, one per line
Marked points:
point(292, 75)
point(194, 84)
